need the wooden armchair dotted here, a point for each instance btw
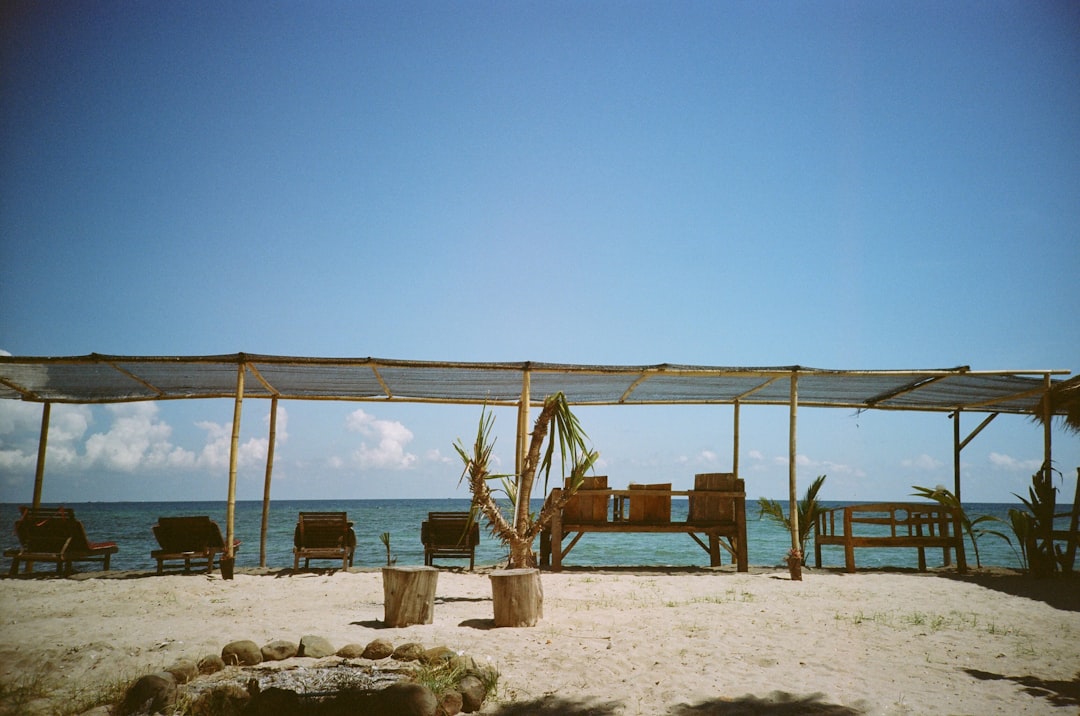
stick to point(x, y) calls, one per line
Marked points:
point(449, 534)
point(188, 538)
point(52, 534)
point(323, 535)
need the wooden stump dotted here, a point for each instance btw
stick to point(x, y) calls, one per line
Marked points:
point(518, 597)
point(409, 595)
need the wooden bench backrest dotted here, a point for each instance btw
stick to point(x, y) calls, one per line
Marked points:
point(449, 529)
point(188, 534)
point(650, 508)
point(584, 508)
point(51, 529)
point(322, 529)
point(893, 519)
point(716, 497)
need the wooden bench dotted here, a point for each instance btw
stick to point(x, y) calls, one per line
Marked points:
point(890, 524)
point(323, 535)
point(52, 534)
point(450, 535)
point(191, 539)
point(716, 521)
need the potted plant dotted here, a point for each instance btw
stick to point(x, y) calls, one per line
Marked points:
point(556, 424)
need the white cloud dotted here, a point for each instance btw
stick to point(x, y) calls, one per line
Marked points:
point(136, 439)
point(20, 431)
point(1007, 462)
point(435, 455)
point(755, 455)
point(389, 439)
point(922, 462)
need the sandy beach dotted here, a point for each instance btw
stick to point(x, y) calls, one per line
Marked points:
point(631, 641)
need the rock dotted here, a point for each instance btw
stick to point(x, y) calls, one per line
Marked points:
point(315, 647)
point(241, 653)
point(351, 651)
point(96, 711)
point(408, 699)
point(437, 655)
point(183, 670)
point(210, 664)
point(450, 704)
point(278, 650)
point(409, 652)
point(473, 693)
point(222, 700)
point(465, 663)
point(378, 649)
point(150, 694)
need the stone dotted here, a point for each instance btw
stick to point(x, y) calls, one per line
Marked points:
point(241, 653)
point(378, 649)
point(351, 651)
point(409, 652)
point(464, 663)
point(183, 670)
point(210, 664)
point(473, 693)
point(222, 700)
point(315, 647)
point(404, 698)
point(437, 654)
point(278, 650)
point(450, 704)
point(149, 694)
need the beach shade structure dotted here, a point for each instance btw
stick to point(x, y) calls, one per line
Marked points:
point(323, 535)
point(449, 535)
point(191, 539)
point(52, 534)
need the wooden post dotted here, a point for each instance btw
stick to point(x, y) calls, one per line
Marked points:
point(234, 447)
point(735, 446)
point(409, 595)
point(518, 597)
point(793, 497)
point(43, 443)
point(522, 445)
point(956, 453)
point(266, 483)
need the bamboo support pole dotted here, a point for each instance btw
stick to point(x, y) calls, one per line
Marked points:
point(735, 446)
point(956, 453)
point(43, 444)
point(234, 447)
point(522, 502)
point(266, 483)
point(792, 470)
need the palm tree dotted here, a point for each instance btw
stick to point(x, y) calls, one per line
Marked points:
point(809, 509)
point(519, 531)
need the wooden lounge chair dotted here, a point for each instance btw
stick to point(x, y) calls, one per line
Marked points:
point(52, 534)
point(449, 535)
point(323, 535)
point(190, 539)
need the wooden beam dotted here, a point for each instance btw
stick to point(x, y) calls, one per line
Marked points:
point(793, 498)
point(234, 449)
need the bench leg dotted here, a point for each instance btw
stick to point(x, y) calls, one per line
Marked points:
point(922, 559)
point(849, 558)
point(714, 551)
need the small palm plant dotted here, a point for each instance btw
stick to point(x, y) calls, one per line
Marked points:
point(519, 530)
point(809, 509)
point(945, 498)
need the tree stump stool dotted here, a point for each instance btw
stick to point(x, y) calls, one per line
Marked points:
point(409, 595)
point(518, 597)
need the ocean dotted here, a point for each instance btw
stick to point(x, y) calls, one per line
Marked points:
point(129, 525)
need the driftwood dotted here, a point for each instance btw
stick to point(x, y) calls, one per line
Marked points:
point(409, 595)
point(518, 597)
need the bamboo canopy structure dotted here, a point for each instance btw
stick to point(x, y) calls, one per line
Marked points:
point(104, 379)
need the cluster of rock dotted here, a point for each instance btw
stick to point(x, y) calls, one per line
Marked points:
point(247, 679)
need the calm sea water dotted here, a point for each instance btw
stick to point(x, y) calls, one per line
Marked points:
point(129, 525)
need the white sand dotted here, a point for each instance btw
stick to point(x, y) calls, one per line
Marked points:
point(882, 643)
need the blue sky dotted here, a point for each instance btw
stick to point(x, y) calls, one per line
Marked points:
point(837, 185)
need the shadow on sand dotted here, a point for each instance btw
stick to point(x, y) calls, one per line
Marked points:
point(557, 706)
point(778, 703)
point(1061, 591)
point(1059, 693)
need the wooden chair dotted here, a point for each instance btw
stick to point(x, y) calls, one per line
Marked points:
point(449, 535)
point(323, 535)
point(52, 534)
point(190, 539)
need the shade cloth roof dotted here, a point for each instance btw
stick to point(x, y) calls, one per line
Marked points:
point(99, 378)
